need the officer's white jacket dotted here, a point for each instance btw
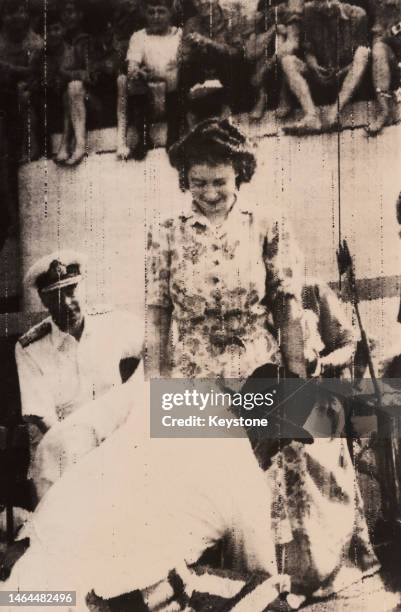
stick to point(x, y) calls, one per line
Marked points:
point(58, 374)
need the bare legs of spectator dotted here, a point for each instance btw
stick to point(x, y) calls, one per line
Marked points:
point(284, 103)
point(76, 98)
point(30, 145)
point(63, 153)
point(74, 125)
point(257, 51)
point(382, 58)
point(294, 72)
point(351, 83)
point(123, 150)
point(259, 109)
point(258, 81)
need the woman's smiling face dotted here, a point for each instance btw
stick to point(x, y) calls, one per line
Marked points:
point(213, 187)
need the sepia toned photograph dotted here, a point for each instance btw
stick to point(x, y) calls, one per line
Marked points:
point(200, 305)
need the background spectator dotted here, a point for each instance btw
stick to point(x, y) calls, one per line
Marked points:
point(276, 32)
point(128, 17)
point(386, 53)
point(213, 49)
point(334, 57)
point(18, 118)
point(74, 72)
point(153, 77)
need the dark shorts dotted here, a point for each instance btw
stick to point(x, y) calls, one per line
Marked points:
point(140, 105)
point(324, 92)
point(102, 102)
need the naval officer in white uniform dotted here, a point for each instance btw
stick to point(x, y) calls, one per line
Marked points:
point(73, 355)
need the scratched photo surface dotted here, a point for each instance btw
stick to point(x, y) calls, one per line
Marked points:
point(200, 197)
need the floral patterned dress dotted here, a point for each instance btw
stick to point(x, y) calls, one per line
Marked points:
point(213, 279)
point(216, 281)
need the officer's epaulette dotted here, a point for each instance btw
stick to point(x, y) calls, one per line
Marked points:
point(35, 333)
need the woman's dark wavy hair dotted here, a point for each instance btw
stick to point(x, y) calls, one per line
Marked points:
point(213, 142)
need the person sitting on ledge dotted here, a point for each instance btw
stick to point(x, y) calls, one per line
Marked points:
point(19, 46)
point(279, 34)
point(104, 61)
point(127, 18)
point(58, 58)
point(73, 70)
point(151, 84)
point(211, 55)
point(334, 58)
point(386, 53)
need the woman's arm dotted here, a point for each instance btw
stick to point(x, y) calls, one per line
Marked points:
point(158, 301)
point(288, 320)
point(156, 352)
point(284, 280)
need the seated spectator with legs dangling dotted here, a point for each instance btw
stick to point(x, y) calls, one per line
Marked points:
point(127, 18)
point(386, 55)
point(152, 80)
point(73, 75)
point(87, 69)
point(104, 63)
point(19, 46)
point(211, 59)
point(334, 58)
point(276, 32)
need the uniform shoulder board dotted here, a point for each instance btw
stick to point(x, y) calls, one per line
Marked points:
point(35, 333)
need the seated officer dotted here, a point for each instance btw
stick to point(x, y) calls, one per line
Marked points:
point(72, 356)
